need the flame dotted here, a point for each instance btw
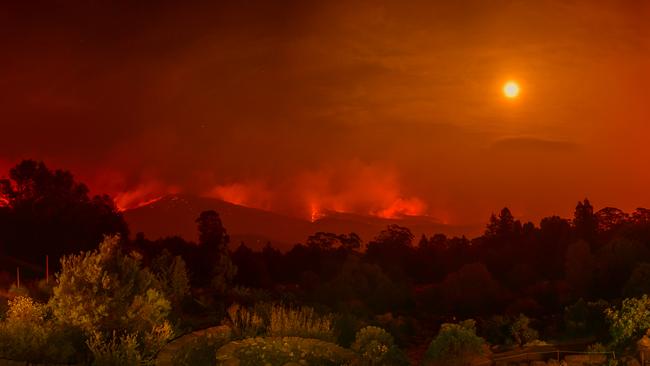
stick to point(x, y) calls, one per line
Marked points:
point(143, 195)
point(402, 207)
point(315, 213)
point(351, 187)
point(251, 194)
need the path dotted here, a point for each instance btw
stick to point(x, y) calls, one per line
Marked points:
point(166, 354)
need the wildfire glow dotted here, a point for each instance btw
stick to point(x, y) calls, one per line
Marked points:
point(142, 195)
point(315, 213)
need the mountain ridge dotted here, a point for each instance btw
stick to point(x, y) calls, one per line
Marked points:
point(174, 215)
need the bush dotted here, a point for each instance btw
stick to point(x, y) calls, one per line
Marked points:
point(400, 327)
point(300, 322)
point(345, 327)
point(201, 351)
point(104, 290)
point(117, 350)
point(507, 330)
point(586, 318)
point(244, 323)
point(375, 346)
point(630, 322)
point(27, 335)
point(171, 273)
point(281, 350)
point(455, 344)
point(521, 331)
point(497, 330)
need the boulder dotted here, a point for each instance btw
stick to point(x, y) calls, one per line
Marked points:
point(586, 359)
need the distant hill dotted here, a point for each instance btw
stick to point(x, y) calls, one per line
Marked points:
point(175, 215)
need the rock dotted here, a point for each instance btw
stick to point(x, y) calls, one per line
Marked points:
point(631, 362)
point(586, 359)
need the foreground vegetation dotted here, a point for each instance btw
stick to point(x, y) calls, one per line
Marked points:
point(333, 299)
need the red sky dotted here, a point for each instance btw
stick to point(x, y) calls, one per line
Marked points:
point(376, 107)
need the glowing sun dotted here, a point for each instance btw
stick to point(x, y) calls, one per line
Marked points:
point(511, 89)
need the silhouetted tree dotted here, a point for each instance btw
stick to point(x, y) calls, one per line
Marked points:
point(393, 250)
point(216, 267)
point(585, 222)
point(327, 241)
point(580, 268)
point(610, 219)
point(48, 212)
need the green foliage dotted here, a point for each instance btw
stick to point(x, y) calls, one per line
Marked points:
point(521, 331)
point(497, 330)
point(115, 351)
point(363, 284)
point(300, 322)
point(278, 351)
point(171, 273)
point(400, 327)
point(103, 290)
point(585, 318)
point(455, 344)
point(224, 272)
point(105, 293)
point(27, 335)
point(597, 348)
point(201, 351)
point(639, 282)
point(630, 322)
point(244, 323)
point(507, 330)
point(376, 347)
point(345, 327)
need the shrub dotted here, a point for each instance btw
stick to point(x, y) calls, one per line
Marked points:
point(497, 330)
point(26, 335)
point(521, 331)
point(345, 326)
point(282, 350)
point(586, 318)
point(244, 323)
point(375, 346)
point(104, 290)
point(171, 273)
point(630, 322)
point(117, 350)
point(300, 322)
point(201, 351)
point(455, 344)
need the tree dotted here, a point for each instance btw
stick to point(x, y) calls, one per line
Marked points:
point(610, 218)
point(455, 345)
point(502, 226)
point(171, 273)
point(105, 291)
point(585, 221)
point(215, 265)
point(630, 322)
point(615, 262)
point(580, 267)
point(639, 282)
point(328, 241)
point(393, 250)
point(48, 212)
point(470, 290)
